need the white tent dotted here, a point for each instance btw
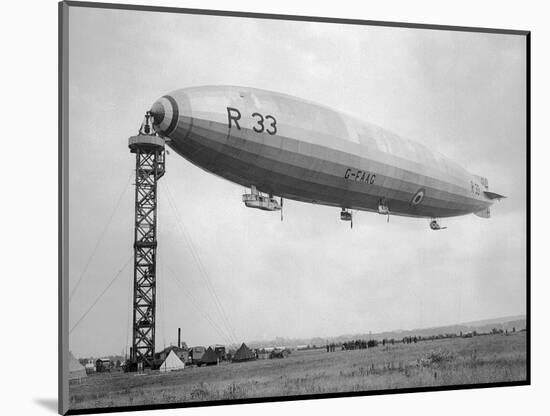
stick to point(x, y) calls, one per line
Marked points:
point(76, 370)
point(172, 363)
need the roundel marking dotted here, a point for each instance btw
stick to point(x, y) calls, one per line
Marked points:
point(175, 115)
point(418, 197)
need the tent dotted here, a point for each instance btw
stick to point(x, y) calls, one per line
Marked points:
point(172, 363)
point(244, 354)
point(209, 357)
point(76, 370)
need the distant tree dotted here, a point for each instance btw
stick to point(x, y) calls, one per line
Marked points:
point(514, 329)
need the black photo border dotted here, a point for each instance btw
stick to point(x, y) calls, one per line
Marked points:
point(63, 124)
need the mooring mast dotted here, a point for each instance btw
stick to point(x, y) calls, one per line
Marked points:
point(149, 151)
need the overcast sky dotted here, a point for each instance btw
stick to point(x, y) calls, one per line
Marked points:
point(463, 94)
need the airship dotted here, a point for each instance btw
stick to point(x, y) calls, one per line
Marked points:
point(285, 147)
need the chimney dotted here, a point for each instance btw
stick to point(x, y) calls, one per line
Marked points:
point(179, 337)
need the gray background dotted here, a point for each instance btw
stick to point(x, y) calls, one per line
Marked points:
point(461, 93)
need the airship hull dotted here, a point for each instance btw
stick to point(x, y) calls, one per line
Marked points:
point(306, 152)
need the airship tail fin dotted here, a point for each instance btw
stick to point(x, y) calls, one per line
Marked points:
point(484, 213)
point(493, 195)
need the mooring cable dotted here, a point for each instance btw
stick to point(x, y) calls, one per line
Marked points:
point(206, 316)
point(102, 293)
point(200, 265)
point(100, 239)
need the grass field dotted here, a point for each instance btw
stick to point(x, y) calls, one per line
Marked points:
point(481, 359)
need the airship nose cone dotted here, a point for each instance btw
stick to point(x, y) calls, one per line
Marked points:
point(165, 115)
point(157, 110)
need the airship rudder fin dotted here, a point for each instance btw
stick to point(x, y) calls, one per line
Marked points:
point(493, 195)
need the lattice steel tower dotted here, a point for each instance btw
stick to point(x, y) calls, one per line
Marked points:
point(149, 151)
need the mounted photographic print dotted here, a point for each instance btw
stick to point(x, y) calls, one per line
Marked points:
point(263, 207)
